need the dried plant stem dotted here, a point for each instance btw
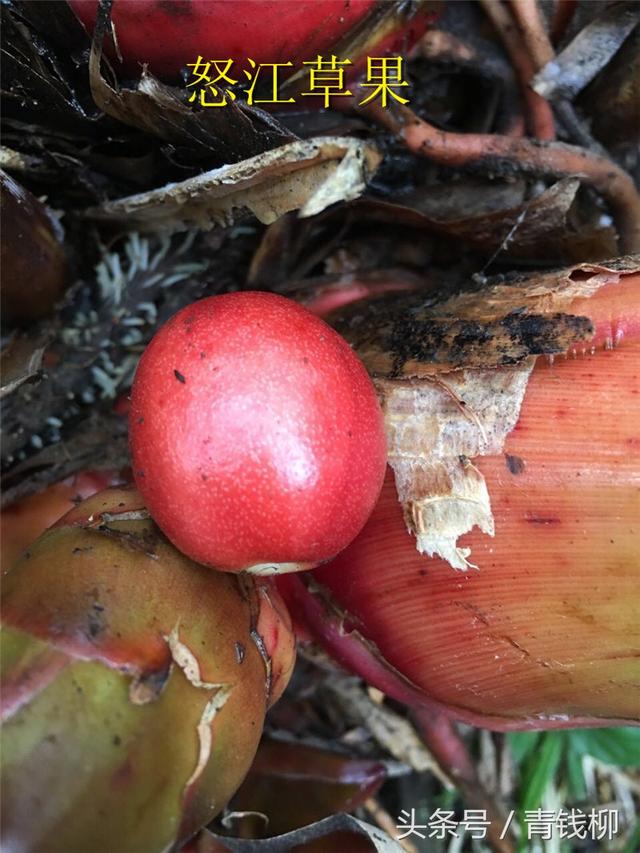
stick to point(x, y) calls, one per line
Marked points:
point(392, 731)
point(539, 111)
point(490, 150)
point(541, 51)
point(531, 24)
point(384, 820)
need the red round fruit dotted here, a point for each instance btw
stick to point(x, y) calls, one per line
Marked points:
point(168, 35)
point(257, 438)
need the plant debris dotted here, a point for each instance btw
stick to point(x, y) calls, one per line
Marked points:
point(499, 324)
point(593, 47)
point(307, 176)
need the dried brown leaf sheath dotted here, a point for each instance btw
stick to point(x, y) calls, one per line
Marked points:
point(306, 175)
point(503, 324)
point(438, 417)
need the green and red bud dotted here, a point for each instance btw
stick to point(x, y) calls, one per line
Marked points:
point(134, 684)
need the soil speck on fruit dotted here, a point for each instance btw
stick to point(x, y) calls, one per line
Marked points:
point(542, 519)
point(514, 463)
point(179, 9)
point(95, 621)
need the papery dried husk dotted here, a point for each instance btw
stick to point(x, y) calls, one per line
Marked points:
point(21, 360)
point(434, 429)
point(306, 175)
point(340, 832)
point(226, 135)
point(495, 217)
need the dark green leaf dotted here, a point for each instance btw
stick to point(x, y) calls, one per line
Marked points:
point(619, 746)
point(575, 775)
point(540, 769)
point(522, 744)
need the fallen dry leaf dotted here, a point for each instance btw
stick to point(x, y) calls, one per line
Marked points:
point(307, 175)
point(502, 324)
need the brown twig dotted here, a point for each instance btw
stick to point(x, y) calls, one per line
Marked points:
point(391, 730)
point(554, 159)
point(541, 52)
point(451, 753)
point(386, 823)
point(589, 51)
point(539, 111)
point(532, 28)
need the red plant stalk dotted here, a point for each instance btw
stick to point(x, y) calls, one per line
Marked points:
point(554, 159)
point(333, 297)
point(449, 749)
point(539, 110)
point(546, 633)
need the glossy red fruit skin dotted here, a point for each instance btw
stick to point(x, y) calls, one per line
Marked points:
point(168, 35)
point(256, 434)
